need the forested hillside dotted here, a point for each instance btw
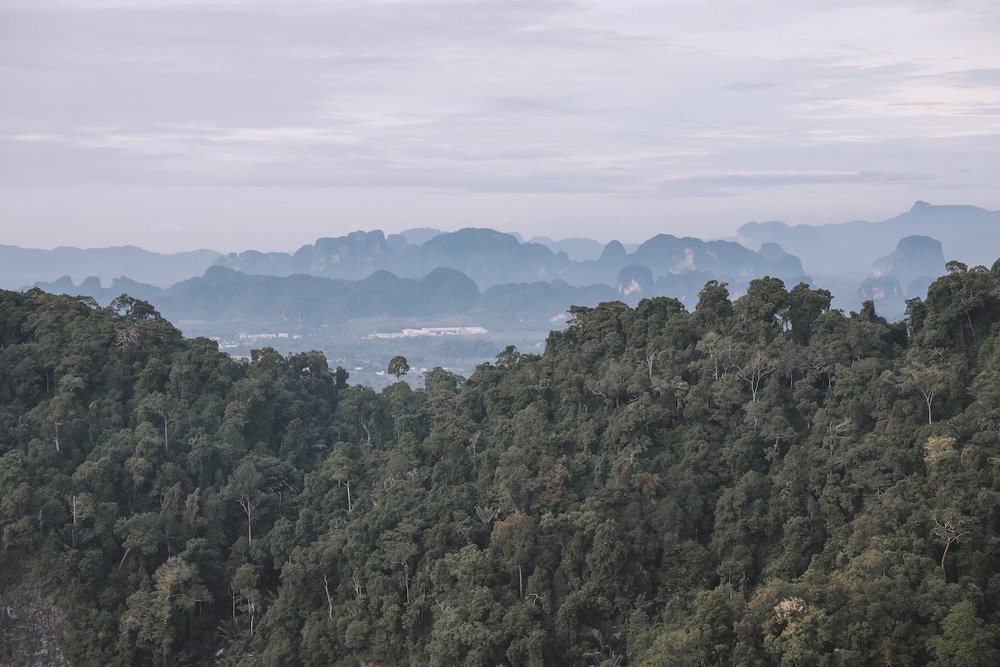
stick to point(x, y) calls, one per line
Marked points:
point(763, 481)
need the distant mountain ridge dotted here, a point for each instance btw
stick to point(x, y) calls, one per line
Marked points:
point(492, 276)
point(916, 261)
point(904, 274)
point(576, 248)
point(487, 256)
point(25, 266)
point(845, 255)
point(308, 301)
point(967, 233)
point(493, 258)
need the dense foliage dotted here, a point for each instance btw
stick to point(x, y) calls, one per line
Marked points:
point(763, 481)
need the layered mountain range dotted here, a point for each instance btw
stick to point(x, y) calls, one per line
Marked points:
point(223, 294)
point(966, 233)
point(25, 266)
point(499, 277)
point(492, 258)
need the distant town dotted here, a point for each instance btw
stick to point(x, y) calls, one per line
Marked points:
point(429, 331)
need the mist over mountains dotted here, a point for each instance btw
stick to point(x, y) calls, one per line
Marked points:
point(966, 233)
point(491, 258)
point(299, 300)
point(904, 274)
point(223, 294)
point(498, 279)
point(25, 266)
point(484, 274)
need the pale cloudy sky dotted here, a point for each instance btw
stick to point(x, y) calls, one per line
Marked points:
point(248, 124)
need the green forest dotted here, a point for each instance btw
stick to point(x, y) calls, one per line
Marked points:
point(758, 481)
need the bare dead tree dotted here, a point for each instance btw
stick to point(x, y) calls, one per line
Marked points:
point(329, 598)
point(77, 513)
point(56, 426)
point(126, 339)
point(754, 370)
point(950, 532)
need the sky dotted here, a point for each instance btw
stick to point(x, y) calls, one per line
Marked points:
point(244, 124)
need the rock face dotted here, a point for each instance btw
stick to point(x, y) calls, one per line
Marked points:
point(784, 264)
point(353, 257)
point(883, 291)
point(915, 263)
point(490, 258)
point(635, 282)
point(665, 254)
point(903, 274)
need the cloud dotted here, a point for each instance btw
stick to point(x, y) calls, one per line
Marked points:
point(625, 98)
point(723, 184)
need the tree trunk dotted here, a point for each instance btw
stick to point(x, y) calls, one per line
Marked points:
point(124, 556)
point(76, 515)
point(329, 600)
point(248, 510)
point(947, 545)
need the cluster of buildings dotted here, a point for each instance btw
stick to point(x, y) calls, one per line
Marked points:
point(429, 331)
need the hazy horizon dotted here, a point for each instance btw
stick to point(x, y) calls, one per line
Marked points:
point(289, 247)
point(233, 125)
